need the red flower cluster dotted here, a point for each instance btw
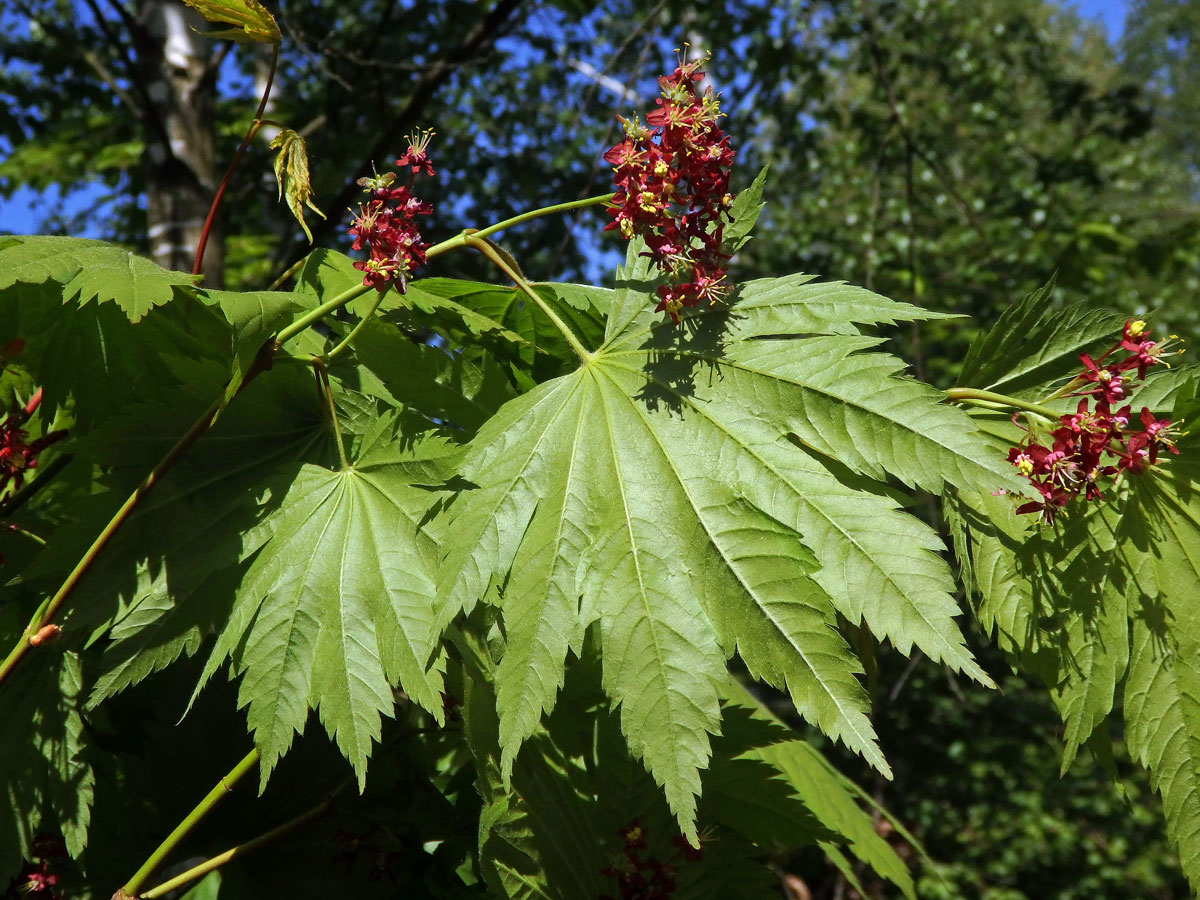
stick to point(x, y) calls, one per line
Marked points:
point(644, 879)
point(386, 224)
point(38, 879)
point(17, 455)
point(672, 178)
point(1094, 434)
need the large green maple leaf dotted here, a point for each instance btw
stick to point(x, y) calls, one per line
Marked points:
point(659, 492)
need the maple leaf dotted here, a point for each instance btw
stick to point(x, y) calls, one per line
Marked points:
point(167, 580)
point(291, 175)
point(338, 605)
point(1032, 343)
point(1105, 601)
point(654, 491)
point(253, 317)
point(253, 21)
point(89, 270)
point(42, 768)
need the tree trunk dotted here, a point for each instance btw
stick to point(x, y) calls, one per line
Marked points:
point(180, 176)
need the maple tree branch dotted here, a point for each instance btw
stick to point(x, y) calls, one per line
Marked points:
point(211, 799)
point(220, 859)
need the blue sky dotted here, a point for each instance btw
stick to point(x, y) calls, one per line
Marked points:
point(25, 210)
point(1110, 12)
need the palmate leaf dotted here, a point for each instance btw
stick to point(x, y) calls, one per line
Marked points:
point(447, 388)
point(1060, 599)
point(655, 491)
point(463, 309)
point(94, 354)
point(104, 356)
point(253, 21)
point(253, 317)
point(42, 769)
point(89, 270)
point(560, 823)
point(1106, 599)
point(338, 605)
point(162, 583)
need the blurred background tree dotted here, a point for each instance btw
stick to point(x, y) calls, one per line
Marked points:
point(953, 154)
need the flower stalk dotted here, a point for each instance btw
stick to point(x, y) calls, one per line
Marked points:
point(486, 248)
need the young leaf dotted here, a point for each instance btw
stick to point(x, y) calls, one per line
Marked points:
point(253, 21)
point(747, 206)
point(653, 490)
point(89, 270)
point(291, 174)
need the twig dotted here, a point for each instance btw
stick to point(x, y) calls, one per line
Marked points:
point(211, 799)
point(240, 850)
point(233, 163)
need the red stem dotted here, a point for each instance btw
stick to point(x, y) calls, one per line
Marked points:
point(34, 402)
point(233, 164)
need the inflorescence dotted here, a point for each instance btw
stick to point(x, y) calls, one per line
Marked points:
point(1094, 442)
point(18, 454)
point(644, 877)
point(386, 225)
point(672, 178)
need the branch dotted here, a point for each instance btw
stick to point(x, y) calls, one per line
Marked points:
point(240, 850)
point(198, 262)
point(211, 799)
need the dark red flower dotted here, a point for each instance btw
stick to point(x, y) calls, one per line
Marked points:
point(416, 156)
point(386, 225)
point(1073, 463)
